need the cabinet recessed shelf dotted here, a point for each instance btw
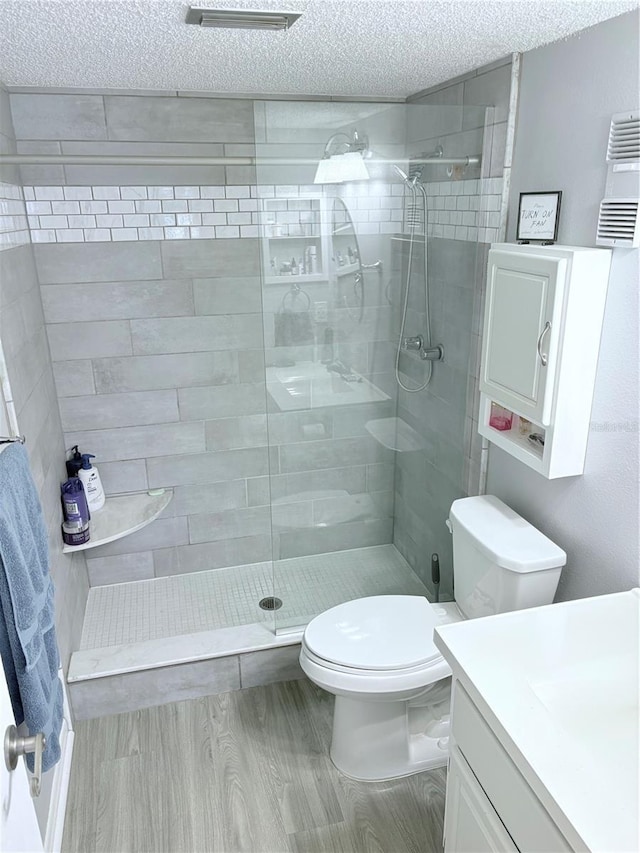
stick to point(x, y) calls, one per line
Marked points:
point(122, 515)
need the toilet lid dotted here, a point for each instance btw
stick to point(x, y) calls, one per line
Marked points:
point(381, 632)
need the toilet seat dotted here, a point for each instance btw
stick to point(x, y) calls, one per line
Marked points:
point(378, 634)
point(344, 648)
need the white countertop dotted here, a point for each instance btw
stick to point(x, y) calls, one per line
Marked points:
point(560, 687)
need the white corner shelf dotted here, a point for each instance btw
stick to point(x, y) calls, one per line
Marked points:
point(395, 434)
point(122, 515)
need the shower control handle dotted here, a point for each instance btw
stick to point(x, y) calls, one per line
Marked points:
point(414, 343)
point(435, 353)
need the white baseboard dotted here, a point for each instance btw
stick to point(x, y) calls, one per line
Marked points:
point(59, 792)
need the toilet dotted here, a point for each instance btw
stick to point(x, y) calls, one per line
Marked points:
point(377, 656)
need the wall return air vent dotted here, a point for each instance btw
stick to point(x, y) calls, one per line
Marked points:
point(619, 223)
point(619, 217)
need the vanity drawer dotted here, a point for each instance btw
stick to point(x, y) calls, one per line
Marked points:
point(519, 808)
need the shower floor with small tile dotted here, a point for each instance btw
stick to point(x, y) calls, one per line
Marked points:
point(224, 604)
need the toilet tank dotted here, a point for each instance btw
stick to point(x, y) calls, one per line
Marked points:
point(500, 561)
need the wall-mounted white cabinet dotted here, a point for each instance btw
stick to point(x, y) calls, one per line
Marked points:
point(543, 319)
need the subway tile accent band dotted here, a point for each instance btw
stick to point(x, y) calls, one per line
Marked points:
point(462, 210)
point(14, 229)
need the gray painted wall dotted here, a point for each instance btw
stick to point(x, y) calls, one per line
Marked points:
point(568, 92)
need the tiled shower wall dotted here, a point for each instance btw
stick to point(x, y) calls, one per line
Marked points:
point(28, 387)
point(445, 415)
point(158, 343)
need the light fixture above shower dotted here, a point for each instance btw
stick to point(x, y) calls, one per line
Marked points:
point(336, 167)
point(241, 19)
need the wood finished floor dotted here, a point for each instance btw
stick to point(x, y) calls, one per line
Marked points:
point(242, 771)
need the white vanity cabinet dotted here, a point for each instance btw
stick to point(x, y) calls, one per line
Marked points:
point(471, 823)
point(490, 806)
point(543, 319)
point(531, 767)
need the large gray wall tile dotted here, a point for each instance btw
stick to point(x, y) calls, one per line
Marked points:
point(119, 569)
point(230, 433)
point(232, 524)
point(227, 295)
point(58, 116)
point(209, 497)
point(116, 694)
point(203, 468)
point(161, 533)
point(492, 89)
point(119, 477)
point(270, 665)
point(136, 442)
point(179, 119)
point(339, 537)
point(89, 340)
point(195, 334)
point(221, 402)
point(74, 378)
point(311, 455)
point(204, 258)
point(60, 263)
point(213, 555)
point(151, 372)
point(117, 300)
point(102, 411)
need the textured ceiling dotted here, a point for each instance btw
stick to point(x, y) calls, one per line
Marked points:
point(389, 48)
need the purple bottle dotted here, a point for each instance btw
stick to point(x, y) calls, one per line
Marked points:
point(75, 527)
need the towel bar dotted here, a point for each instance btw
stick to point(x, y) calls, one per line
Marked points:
point(20, 439)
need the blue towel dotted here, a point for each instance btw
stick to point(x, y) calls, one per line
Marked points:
point(28, 644)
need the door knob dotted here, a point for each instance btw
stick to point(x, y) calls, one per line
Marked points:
point(15, 746)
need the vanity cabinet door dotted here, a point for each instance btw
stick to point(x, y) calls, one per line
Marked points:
point(471, 824)
point(522, 324)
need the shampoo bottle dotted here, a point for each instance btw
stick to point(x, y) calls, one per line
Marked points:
point(91, 482)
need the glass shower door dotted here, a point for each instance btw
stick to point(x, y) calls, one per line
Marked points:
point(334, 272)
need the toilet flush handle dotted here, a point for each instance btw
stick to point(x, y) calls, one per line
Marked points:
point(449, 528)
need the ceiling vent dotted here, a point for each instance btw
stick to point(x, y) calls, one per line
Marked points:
point(618, 220)
point(619, 223)
point(241, 19)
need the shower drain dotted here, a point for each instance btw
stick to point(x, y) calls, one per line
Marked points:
point(270, 603)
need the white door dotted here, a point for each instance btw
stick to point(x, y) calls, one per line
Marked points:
point(521, 331)
point(471, 824)
point(19, 831)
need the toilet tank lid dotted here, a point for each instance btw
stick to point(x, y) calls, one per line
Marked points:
point(504, 536)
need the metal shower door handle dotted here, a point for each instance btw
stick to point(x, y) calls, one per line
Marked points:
point(543, 355)
point(15, 746)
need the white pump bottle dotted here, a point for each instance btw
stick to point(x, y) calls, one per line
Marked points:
point(90, 479)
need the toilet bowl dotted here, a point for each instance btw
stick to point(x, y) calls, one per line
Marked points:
point(377, 656)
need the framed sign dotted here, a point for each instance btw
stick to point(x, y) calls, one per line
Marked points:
point(538, 216)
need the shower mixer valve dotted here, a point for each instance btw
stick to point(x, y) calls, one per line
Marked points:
point(415, 343)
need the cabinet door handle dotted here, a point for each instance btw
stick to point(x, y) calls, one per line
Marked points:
point(543, 355)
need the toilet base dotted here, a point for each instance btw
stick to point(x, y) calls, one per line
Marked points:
point(377, 740)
